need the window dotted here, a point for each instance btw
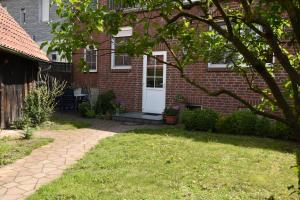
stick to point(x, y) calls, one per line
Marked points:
point(120, 5)
point(120, 60)
point(90, 57)
point(54, 57)
point(155, 70)
point(44, 10)
point(94, 4)
point(222, 63)
point(23, 16)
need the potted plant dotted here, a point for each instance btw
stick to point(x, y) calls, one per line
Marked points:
point(170, 115)
point(118, 106)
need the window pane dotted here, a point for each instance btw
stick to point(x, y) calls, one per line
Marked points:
point(159, 82)
point(150, 82)
point(118, 60)
point(127, 60)
point(150, 71)
point(159, 71)
point(93, 66)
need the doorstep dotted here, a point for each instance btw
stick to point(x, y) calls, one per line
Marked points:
point(139, 117)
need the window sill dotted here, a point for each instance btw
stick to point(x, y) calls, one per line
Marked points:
point(93, 71)
point(218, 69)
point(121, 67)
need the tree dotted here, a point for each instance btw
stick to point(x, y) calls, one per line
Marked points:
point(251, 31)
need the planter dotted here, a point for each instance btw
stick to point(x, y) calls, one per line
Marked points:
point(170, 119)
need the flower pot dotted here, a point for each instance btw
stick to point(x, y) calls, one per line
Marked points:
point(171, 120)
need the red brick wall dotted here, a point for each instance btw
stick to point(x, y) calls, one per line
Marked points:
point(127, 84)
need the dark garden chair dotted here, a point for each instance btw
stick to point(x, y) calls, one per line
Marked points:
point(68, 101)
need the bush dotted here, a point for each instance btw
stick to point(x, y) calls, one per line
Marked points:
point(40, 103)
point(263, 127)
point(170, 111)
point(90, 114)
point(28, 133)
point(281, 131)
point(83, 108)
point(247, 123)
point(105, 103)
point(186, 118)
point(202, 120)
point(86, 110)
point(240, 122)
point(19, 124)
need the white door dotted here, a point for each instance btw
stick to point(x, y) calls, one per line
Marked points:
point(154, 83)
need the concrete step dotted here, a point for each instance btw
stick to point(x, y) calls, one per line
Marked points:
point(139, 117)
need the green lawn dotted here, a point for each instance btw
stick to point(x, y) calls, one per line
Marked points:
point(12, 149)
point(175, 164)
point(64, 122)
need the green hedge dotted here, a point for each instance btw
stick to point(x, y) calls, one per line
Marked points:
point(238, 123)
point(201, 120)
point(247, 123)
point(241, 122)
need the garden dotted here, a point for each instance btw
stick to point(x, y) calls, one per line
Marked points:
point(207, 155)
point(172, 163)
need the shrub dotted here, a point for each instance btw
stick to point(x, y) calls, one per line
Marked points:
point(247, 123)
point(263, 127)
point(19, 124)
point(28, 133)
point(90, 114)
point(83, 108)
point(202, 120)
point(105, 103)
point(186, 118)
point(224, 124)
point(240, 122)
point(281, 131)
point(40, 103)
point(170, 111)
point(86, 110)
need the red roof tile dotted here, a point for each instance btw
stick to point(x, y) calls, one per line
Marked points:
point(14, 38)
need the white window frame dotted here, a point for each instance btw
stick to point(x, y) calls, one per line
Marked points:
point(124, 32)
point(44, 10)
point(92, 70)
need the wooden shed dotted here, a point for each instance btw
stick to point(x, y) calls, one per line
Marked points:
point(20, 58)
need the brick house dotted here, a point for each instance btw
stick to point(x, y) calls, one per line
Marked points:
point(143, 90)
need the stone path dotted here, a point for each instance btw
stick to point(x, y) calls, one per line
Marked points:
point(22, 178)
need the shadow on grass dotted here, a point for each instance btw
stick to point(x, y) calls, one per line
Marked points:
point(65, 122)
point(236, 140)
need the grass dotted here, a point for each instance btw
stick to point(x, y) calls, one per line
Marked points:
point(64, 122)
point(175, 164)
point(12, 149)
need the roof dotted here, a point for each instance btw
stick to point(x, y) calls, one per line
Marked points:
point(14, 39)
